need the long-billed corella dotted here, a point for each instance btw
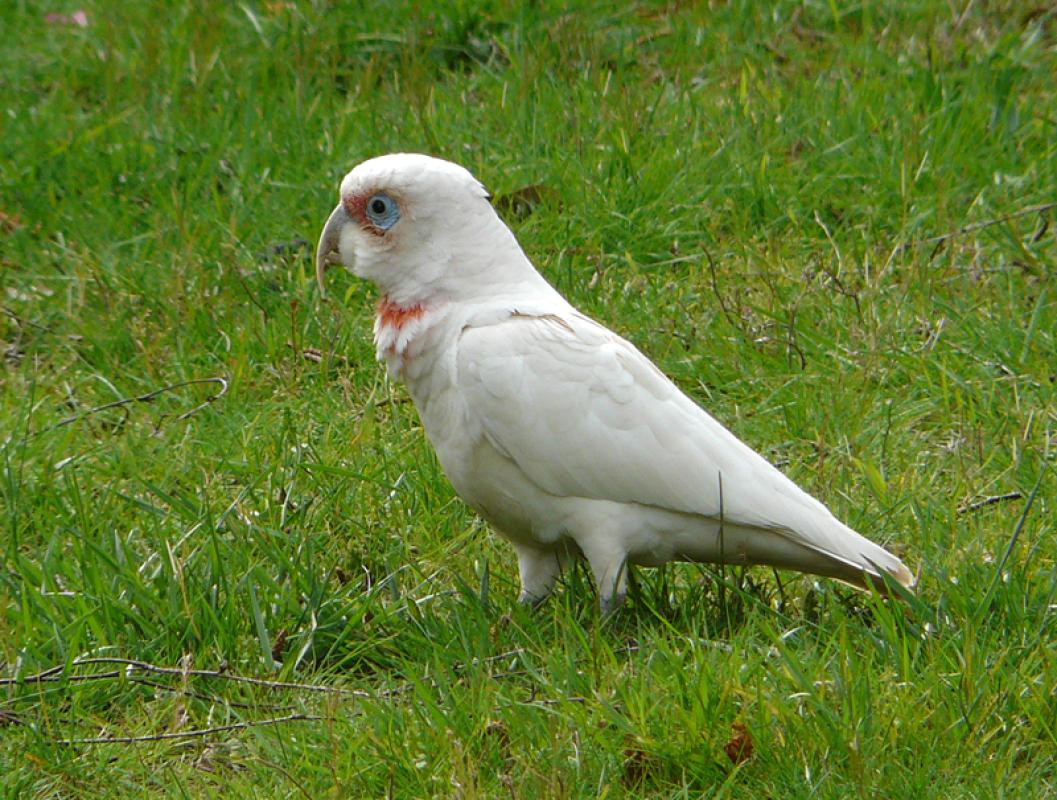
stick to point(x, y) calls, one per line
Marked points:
point(560, 433)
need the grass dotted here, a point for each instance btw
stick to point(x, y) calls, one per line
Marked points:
point(752, 195)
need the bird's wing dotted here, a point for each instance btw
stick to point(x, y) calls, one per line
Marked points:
point(583, 413)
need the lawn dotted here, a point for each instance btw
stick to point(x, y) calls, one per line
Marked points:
point(830, 223)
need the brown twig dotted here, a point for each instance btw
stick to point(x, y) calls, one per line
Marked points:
point(731, 317)
point(317, 356)
point(51, 676)
point(538, 701)
point(158, 737)
point(942, 239)
point(162, 687)
point(791, 343)
point(990, 500)
point(19, 320)
point(56, 674)
point(987, 223)
point(249, 294)
point(146, 398)
point(285, 773)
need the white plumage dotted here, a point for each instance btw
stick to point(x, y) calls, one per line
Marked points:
point(556, 430)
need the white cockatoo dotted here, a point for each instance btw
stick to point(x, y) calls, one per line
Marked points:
point(560, 433)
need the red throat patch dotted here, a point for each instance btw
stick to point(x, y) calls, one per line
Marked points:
point(391, 315)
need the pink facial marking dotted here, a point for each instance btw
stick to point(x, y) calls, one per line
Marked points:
point(356, 207)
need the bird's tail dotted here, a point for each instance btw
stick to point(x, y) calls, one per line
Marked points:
point(834, 551)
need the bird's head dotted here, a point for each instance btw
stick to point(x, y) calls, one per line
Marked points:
point(420, 228)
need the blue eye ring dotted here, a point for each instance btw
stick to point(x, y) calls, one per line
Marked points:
point(382, 211)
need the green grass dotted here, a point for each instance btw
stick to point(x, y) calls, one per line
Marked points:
point(749, 194)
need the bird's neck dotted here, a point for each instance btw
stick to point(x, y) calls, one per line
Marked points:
point(405, 329)
point(395, 317)
point(397, 324)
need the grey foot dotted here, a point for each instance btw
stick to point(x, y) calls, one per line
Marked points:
point(535, 601)
point(611, 604)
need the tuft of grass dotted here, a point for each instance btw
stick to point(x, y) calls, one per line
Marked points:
point(829, 222)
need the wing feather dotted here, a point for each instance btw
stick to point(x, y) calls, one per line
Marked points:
point(584, 414)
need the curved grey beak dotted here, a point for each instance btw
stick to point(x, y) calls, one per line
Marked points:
point(327, 249)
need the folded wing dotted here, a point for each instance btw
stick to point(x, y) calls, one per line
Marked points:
point(584, 414)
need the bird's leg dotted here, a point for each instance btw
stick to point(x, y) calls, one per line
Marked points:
point(539, 570)
point(609, 566)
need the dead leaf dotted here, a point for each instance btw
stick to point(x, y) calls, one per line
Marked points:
point(9, 223)
point(279, 645)
point(278, 8)
point(522, 202)
point(739, 748)
point(497, 731)
point(638, 764)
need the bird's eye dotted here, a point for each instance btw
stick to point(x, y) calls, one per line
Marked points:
point(382, 211)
